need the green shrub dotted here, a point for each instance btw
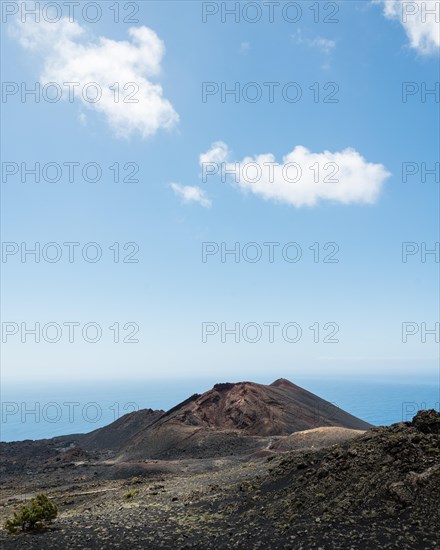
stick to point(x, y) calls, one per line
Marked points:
point(131, 494)
point(35, 515)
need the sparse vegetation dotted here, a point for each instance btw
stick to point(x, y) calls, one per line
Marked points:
point(36, 515)
point(137, 480)
point(379, 490)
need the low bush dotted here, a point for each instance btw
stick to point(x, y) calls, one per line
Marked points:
point(36, 515)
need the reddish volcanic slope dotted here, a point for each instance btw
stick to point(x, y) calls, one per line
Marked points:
point(255, 409)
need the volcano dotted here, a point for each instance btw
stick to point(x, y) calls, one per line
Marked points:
point(230, 418)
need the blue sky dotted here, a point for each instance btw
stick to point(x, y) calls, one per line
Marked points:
point(367, 55)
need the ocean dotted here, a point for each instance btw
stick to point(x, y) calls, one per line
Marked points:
point(38, 413)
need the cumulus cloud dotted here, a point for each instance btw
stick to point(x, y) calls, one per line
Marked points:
point(190, 193)
point(218, 153)
point(70, 54)
point(419, 18)
point(303, 178)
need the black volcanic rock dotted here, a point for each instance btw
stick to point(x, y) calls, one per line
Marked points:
point(380, 487)
point(378, 490)
point(115, 435)
point(427, 421)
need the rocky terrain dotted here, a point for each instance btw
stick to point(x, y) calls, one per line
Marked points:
point(230, 420)
point(319, 487)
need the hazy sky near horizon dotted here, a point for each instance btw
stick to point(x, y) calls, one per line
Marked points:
point(326, 118)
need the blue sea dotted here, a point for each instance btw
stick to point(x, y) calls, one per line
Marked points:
point(37, 413)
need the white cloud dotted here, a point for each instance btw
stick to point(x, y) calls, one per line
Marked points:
point(303, 178)
point(70, 54)
point(419, 18)
point(218, 153)
point(325, 45)
point(190, 193)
